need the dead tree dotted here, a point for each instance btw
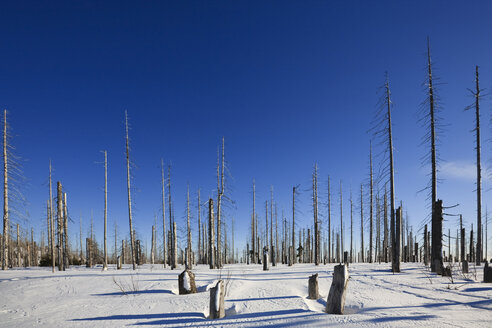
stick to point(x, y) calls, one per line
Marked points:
point(59, 219)
point(385, 214)
point(294, 257)
point(220, 194)
point(351, 227)
point(272, 251)
point(476, 95)
point(330, 255)
point(188, 245)
point(200, 256)
point(341, 220)
point(211, 231)
point(65, 232)
point(361, 224)
point(370, 204)
point(5, 241)
point(253, 230)
point(315, 212)
point(163, 194)
point(105, 265)
point(173, 252)
point(397, 242)
point(132, 237)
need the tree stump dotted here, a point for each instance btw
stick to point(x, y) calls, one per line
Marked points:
point(186, 283)
point(265, 259)
point(217, 310)
point(118, 263)
point(336, 298)
point(345, 257)
point(464, 267)
point(313, 287)
point(487, 273)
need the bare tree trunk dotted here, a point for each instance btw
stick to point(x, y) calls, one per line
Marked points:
point(315, 212)
point(66, 257)
point(232, 240)
point(254, 250)
point(351, 228)
point(59, 218)
point(385, 240)
point(330, 255)
point(199, 230)
point(294, 259)
point(152, 250)
point(5, 245)
point(370, 206)
point(361, 225)
point(105, 264)
point(163, 215)
point(188, 253)
point(220, 193)
point(211, 231)
point(479, 256)
point(172, 252)
point(81, 253)
point(132, 237)
point(341, 220)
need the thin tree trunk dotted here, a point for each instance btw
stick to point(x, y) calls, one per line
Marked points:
point(5, 245)
point(294, 259)
point(132, 237)
point(163, 215)
point(370, 206)
point(479, 256)
point(188, 253)
point(330, 254)
point(220, 193)
point(211, 231)
point(59, 218)
point(66, 257)
point(105, 265)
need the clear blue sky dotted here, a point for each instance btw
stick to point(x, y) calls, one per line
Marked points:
point(287, 83)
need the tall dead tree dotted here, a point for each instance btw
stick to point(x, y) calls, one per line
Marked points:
point(272, 255)
point(294, 257)
point(65, 232)
point(188, 245)
point(351, 228)
point(59, 218)
point(253, 229)
point(361, 224)
point(211, 232)
point(436, 248)
point(163, 194)
point(330, 255)
point(132, 237)
point(370, 204)
point(315, 212)
point(199, 229)
point(5, 240)
point(173, 251)
point(105, 265)
point(385, 214)
point(476, 95)
point(341, 221)
point(220, 194)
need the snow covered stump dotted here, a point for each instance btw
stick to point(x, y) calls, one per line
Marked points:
point(487, 273)
point(118, 263)
point(336, 298)
point(313, 287)
point(217, 310)
point(186, 282)
point(464, 267)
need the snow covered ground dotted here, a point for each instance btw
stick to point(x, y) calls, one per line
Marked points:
point(81, 297)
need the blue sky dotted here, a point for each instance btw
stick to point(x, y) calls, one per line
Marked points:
point(286, 83)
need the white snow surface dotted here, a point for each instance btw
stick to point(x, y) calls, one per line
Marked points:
point(81, 297)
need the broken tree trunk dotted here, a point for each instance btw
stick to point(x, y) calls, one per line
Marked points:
point(313, 287)
point(487, 273)
point(265, 258)
point(336, 298)
point(186, 282)
point(217, 294)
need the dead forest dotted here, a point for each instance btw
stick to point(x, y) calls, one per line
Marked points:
point(274, 237)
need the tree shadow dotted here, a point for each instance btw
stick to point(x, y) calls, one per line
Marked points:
point(182, 317)
point(401, 318)
point(261, 298)
point(137, 292)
